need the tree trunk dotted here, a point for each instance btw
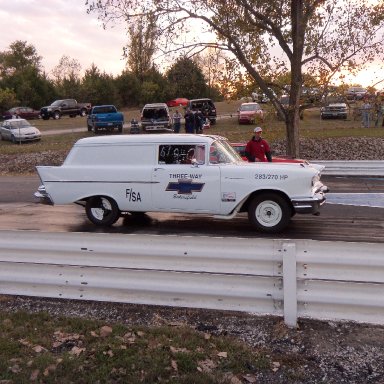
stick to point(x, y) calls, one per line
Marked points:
point(293, 113)
point(293, 133)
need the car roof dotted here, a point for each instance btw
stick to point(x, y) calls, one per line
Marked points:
point(203, 99)
point(155, 105)
point(250, 103)
point(168, 138)
point(18, 119)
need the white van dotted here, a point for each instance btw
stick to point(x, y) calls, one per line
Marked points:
point(156, 118)
point(116, 175)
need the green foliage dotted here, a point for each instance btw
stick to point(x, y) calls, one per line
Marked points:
point(98, 88)
point(186, 79)
point(128, 88)
point(8, 99)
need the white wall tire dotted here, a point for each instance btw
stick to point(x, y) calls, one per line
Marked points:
point(269, 213)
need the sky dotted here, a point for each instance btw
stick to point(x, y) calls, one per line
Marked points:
point(63, 27)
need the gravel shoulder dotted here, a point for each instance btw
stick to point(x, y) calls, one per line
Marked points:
point(315, 352)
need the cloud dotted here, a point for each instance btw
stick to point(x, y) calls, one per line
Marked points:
point(62, 27)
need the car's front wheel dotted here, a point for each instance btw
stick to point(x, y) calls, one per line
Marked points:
point(269, 212)
point(102, 210)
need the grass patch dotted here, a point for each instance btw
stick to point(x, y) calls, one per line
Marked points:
point(310, 127)
point(41, 348)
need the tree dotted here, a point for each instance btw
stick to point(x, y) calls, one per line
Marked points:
point(67, 77)
point(140, 50)
point(19, 57)
point(128, 89)
point(7, 99)
point(20, 71)
point(98, 88)
point(322, 37)
point(186, 79)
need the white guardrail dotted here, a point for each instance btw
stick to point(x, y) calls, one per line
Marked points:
point(352, 167)
point(290, 278)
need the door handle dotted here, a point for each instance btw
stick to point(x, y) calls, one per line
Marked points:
point(158, 168)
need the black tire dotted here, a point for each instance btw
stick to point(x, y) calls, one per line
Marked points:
point(13, 139)
point(102, 210)
point(89, 127)
point(120, 128)
point(269, 213)
point(83, 112)
point(56, 115)
point(45, 117)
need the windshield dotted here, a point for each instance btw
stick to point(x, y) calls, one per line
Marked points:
point(221, 152)
point(18, 124)
point(250, 107)
point(57, 102)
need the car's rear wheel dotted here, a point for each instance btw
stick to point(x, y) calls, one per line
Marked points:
point(269, 212)
point(83, 113)
point(102, 210)
point(56, 115)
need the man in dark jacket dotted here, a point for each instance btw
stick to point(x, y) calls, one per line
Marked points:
point(257, 148)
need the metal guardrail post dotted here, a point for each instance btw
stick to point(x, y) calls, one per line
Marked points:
point(290, 284)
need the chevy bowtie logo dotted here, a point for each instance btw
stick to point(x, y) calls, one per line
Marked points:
point(185, 187)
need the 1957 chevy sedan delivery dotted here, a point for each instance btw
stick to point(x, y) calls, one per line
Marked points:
point(116, 175)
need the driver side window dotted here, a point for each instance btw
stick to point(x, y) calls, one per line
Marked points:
point(181, 154)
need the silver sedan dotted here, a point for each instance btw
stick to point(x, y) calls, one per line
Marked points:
point(18, 130)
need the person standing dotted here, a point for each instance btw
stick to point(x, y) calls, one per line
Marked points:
point(176, 121)
point(257, 148)
point(366, 113)
point(189, 121)
point(379, 107)
point(199, 121)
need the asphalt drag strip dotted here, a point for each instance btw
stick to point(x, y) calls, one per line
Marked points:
point(357, 199)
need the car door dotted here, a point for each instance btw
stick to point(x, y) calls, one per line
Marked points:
point(5, 131)
point(184, 182)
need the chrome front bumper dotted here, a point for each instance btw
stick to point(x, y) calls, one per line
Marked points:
point(311, 205)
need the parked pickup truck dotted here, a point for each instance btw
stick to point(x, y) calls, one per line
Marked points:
point(68, 107)
point(105, 117)
point(114, 175)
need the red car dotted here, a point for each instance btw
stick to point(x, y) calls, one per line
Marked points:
point(179, 102)
point(248, 113)
point(240, 149)
point(22, 112)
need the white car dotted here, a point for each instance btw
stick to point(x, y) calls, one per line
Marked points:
point(18, 130)
point(115, 175)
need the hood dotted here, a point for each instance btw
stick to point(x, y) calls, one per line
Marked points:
point(26, 131)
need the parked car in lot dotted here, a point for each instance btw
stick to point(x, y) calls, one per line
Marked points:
point(156, 118)
point(179, 102)
point(355, 93)
point(192, 174)
point(22, 112)
point(248, 113)
point(240, 149)
point(334, 111)
point(105, 118)
point(206, 106)
point(18, 130)
point(69, 107)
